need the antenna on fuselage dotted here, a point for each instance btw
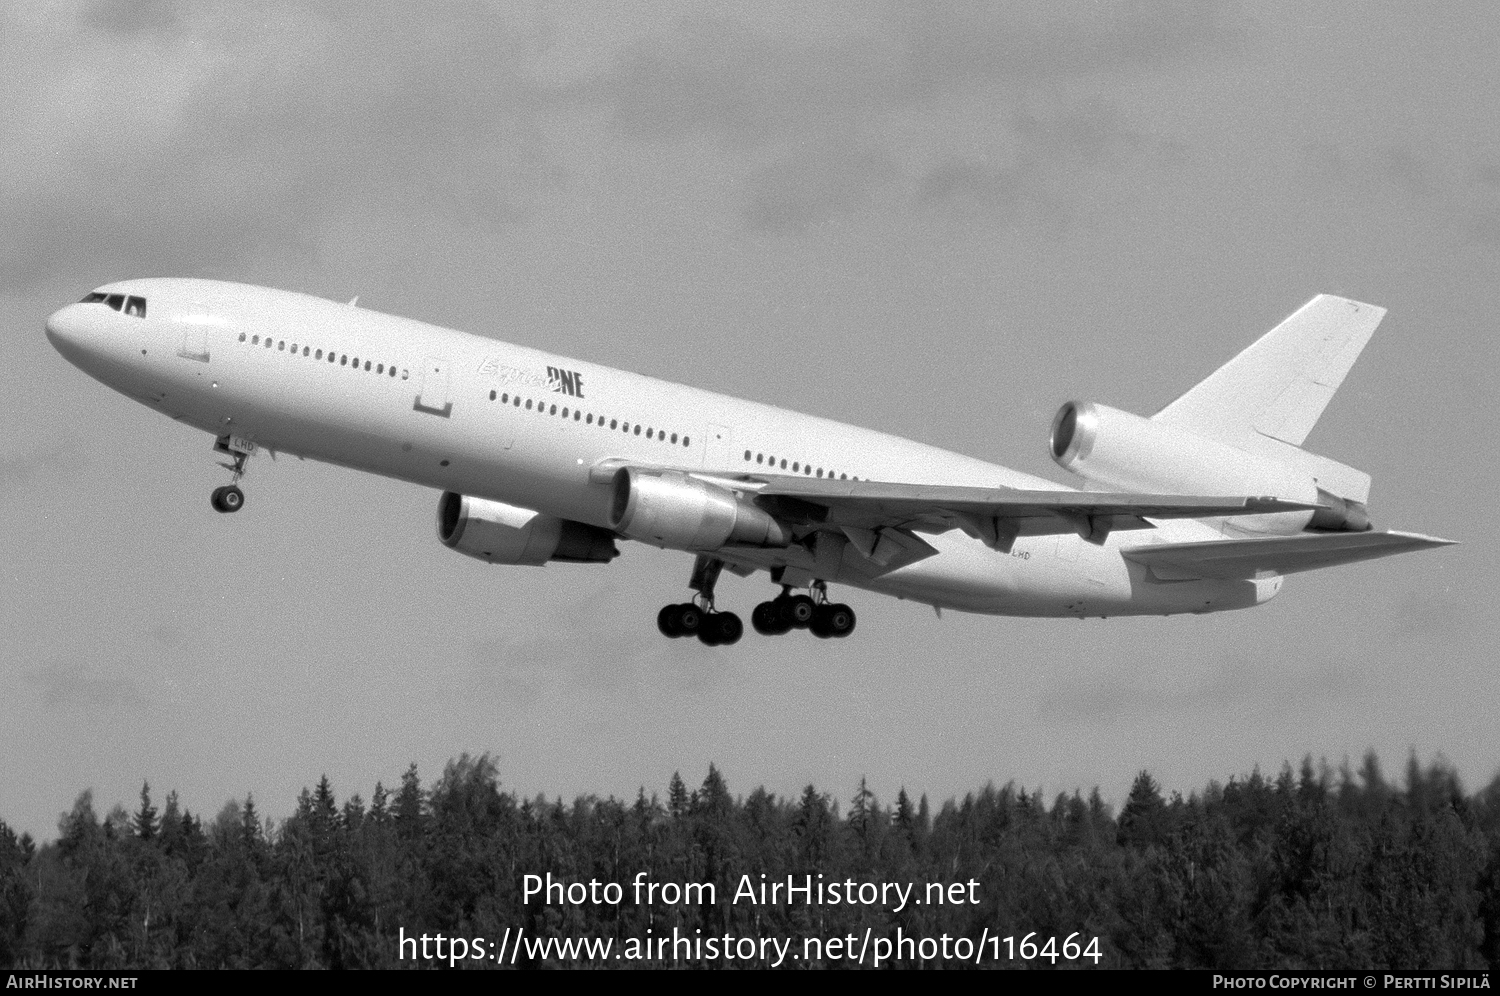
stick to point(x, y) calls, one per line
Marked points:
point(354, 301)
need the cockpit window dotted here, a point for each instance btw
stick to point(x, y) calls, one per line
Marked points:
point(132, 305)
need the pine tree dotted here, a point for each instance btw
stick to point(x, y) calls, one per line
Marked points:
point(1143, 820)
point(325, 812)
point(145, 818)
point(410, 804)
point(677, 796)
point(378, 811)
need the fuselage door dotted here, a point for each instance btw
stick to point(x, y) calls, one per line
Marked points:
point(194, 344)
point(716, 448)
point(432, 397)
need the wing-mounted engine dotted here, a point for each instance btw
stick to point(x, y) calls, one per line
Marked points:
point(504, 534)
point(1125, 452)
point(671, 509)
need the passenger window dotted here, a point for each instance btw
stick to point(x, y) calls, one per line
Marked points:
point(685, 440)
point(294, 347)
point(783, 465)
point(794, 466)
point(760, 458)
point(492, 395)
point(281, 346)
point(577, 415)
point(380, 369)
point(367, 366)
point(318, 355)
point(343, 360)
point(528, 404)
point(589, 420)
point(613, 424)
point(255, 341)
point(553, 411)
point(674, 438)
point(637, 428)
point(242, 337)
point(392, 372)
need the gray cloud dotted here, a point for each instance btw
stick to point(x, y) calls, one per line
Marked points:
point(19, 470)
point(824, 119)
point(171, 127)
point(71, 682)
point(1238, 684)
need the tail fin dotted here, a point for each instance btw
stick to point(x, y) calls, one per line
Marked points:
point(1267, 399)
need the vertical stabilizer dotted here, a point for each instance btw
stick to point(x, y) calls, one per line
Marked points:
point(1267, 399)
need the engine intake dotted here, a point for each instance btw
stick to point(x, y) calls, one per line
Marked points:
point(1125, 452)
point(674, 510)
point(504, 534)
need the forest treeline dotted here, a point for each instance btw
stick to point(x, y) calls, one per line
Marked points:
point(1315, 868)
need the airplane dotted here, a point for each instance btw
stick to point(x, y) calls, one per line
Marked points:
point(1205, 506)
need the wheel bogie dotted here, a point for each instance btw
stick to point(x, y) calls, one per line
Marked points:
point(774, 618)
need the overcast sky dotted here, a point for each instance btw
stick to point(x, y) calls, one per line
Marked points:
point(940, 221)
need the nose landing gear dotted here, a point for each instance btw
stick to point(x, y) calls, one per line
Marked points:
point(230, 498)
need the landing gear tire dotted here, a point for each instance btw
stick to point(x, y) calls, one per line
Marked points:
point(666, 621)
point(797, 610)
point(832, 621)
point(227, 499)
point(721, 628)
point(767, 619)
point(687, 620)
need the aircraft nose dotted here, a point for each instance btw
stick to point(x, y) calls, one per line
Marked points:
point(63, 327)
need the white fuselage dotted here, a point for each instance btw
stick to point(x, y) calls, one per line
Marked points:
point(464, 413)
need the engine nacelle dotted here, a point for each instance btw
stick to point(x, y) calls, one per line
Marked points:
point(674, 510)
point(504, 534)
point(1125, 452)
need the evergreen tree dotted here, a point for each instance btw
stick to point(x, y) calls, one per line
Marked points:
point(145, 818)
point(1143, 821)
point(677, 796)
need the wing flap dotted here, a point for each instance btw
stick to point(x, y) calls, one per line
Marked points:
point(1251, 558)
point(995, 515)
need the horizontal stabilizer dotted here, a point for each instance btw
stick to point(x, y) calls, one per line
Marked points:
point(1251, 558)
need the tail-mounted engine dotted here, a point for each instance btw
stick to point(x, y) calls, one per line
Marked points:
point(674, 510)
point(1125, 452)
point(504, 534)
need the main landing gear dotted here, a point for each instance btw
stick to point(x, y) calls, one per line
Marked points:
point(787, 612)
point(230, 498)
point(699, 617)
point(782, 614)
